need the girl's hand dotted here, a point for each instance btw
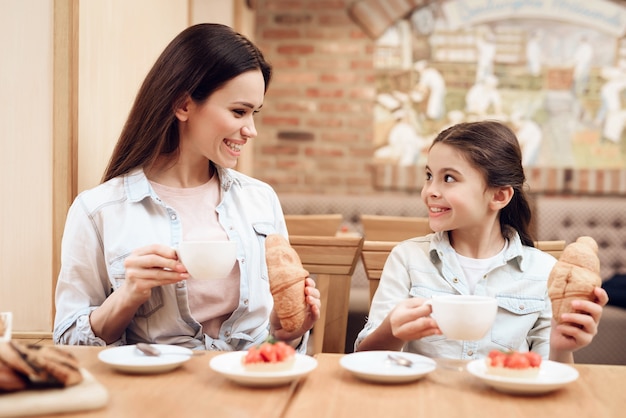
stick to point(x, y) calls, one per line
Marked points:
point(151, 266)
point(410, 320)
point(578, 328)
point(312, 297)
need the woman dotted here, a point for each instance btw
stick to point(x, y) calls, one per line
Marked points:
point(170, 179)
point(481, 245)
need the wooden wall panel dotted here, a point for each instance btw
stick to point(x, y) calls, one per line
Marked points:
point(26, 43)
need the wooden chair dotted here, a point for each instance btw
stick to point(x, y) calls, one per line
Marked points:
point(314, 225)
point(394, 228)
point(332, 261)
point(375, 253)
point(554, 248)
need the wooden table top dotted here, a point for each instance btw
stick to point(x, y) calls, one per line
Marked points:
point(195, 390)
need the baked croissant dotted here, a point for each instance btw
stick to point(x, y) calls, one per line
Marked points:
point(574, 276)
point(36, 367)
point(286, 277)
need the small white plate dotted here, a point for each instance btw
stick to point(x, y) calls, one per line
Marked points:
point(375, 366)
point(129, 359)
point(230, 366)
point(552, 376)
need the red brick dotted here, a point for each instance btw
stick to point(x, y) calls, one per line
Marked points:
point(279, 120)
point(295, 49)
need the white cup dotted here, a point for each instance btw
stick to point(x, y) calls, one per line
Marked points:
point(208, 259)
point(6, 323)
point(464, 317)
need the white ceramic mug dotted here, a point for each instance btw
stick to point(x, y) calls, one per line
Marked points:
point(464, 317)
point(6, 323)
point(208, 259)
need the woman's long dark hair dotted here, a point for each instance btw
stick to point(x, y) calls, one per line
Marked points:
point(493, 149)
point(199, 61)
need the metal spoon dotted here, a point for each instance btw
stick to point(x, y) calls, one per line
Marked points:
point(152, 351)
point(399, 360)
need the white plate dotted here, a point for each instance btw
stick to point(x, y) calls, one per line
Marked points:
point(129, 359)
point(552, 376)
point(376, 367)
point(229, 365)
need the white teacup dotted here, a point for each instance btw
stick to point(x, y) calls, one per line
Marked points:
point(464, 317)
point(208, 259)
point(6, 322)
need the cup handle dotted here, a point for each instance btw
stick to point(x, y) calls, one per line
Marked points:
point(430, 302)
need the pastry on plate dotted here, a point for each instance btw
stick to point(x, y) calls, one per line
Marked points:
point(270, 356)
point(513, 363)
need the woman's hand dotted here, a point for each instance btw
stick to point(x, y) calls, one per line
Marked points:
point(312, 298)
point(578, 328)
point(410, 320)
point(151, 266)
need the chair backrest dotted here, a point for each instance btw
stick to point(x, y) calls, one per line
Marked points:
point(332, 260)
point(322, 225)
point(554, 248)
point(375, 253)
point(394, 228)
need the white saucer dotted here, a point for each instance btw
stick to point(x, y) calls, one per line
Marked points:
point(375, 366)
point(552, 376)
point(129, 359)
point(229, 365)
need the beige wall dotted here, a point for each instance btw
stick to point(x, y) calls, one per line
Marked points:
point(25, 163)
point(117, 43)
point(119, 40)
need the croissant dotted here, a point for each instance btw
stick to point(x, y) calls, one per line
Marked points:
point(286, 277)
point(36, 367)
point(574, 276)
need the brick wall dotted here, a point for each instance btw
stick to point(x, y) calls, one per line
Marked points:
point(315, 129)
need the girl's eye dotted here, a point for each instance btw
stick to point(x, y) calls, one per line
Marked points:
point(448, 178)
point(239, 112)
point(429, 176)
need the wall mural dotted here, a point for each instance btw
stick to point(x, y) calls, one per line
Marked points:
point(553, 70)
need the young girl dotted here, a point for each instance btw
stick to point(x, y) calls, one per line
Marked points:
point(170, 179)
point(481, 245)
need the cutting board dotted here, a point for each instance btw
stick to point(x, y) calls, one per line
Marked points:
point(89, 394)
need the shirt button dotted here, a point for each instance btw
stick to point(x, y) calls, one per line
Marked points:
point(227, 333)
point(470, 353)
point(485, 276)
point(180, 285)
point(243, 260)
point(173, 217)
point(245, 302)
point(455, 280)
point(522, 307)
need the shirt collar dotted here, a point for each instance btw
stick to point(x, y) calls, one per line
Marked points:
point(440, 245)
point(138, 186)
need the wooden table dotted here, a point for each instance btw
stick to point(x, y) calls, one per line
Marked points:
point(333, 392)
point(195, 390)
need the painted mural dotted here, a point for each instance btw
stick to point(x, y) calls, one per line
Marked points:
point(553, 70)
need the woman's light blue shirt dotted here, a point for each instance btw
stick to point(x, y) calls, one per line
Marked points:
point(106, 223)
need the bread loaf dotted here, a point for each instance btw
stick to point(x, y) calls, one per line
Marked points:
point(286, 277)
point(36, 367)
point(574, 276)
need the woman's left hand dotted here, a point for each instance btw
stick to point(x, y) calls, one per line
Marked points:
point(577, 329)
point(312, 298)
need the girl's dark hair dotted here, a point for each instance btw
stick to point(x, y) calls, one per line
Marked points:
point(199, 61)
point(493, 149)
